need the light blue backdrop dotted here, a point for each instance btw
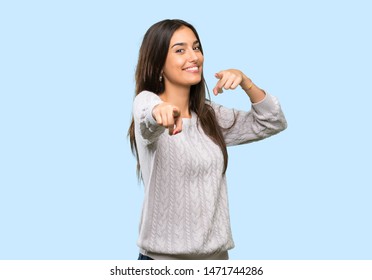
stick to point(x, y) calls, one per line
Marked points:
point(68, 188)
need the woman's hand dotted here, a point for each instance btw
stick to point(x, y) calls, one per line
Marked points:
point(169, 116)
point(231, 78)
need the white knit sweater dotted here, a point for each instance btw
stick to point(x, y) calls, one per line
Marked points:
point(185, 209)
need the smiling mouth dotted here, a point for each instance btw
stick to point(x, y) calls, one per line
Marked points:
point(192, 69)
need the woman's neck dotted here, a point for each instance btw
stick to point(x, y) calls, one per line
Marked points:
point(179, 97)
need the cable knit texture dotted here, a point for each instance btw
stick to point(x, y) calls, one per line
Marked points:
point(185, 209)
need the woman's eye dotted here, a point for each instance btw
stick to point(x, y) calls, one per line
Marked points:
point(197, 48)
point(180, 51)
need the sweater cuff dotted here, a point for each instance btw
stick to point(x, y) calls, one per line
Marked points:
point(143, 104)
point(265, 105)
point(149, 118)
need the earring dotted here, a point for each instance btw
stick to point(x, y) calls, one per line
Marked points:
point(161, 77)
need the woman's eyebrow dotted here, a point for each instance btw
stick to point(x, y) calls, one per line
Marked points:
point(183, 43)
point(179, 44)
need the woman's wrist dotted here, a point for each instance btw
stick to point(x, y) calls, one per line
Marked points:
point(254, 93)
point(246, 84)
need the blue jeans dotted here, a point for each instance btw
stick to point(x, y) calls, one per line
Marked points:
point(144, 258)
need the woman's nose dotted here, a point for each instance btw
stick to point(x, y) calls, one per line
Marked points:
point(193, 56)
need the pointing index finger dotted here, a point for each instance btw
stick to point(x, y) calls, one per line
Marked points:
point(176, 113)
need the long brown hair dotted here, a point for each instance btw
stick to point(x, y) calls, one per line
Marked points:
point(152, 56)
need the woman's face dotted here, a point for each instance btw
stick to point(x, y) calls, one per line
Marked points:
point(184, 63)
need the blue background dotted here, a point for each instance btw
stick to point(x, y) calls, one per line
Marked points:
point(68, 188)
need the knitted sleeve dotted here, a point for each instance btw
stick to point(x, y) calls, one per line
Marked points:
point(146, 127)
point(263, 120)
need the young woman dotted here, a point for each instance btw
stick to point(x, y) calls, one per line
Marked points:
point(180, 139)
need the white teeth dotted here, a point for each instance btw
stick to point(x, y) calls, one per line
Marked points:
point(192, 68)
